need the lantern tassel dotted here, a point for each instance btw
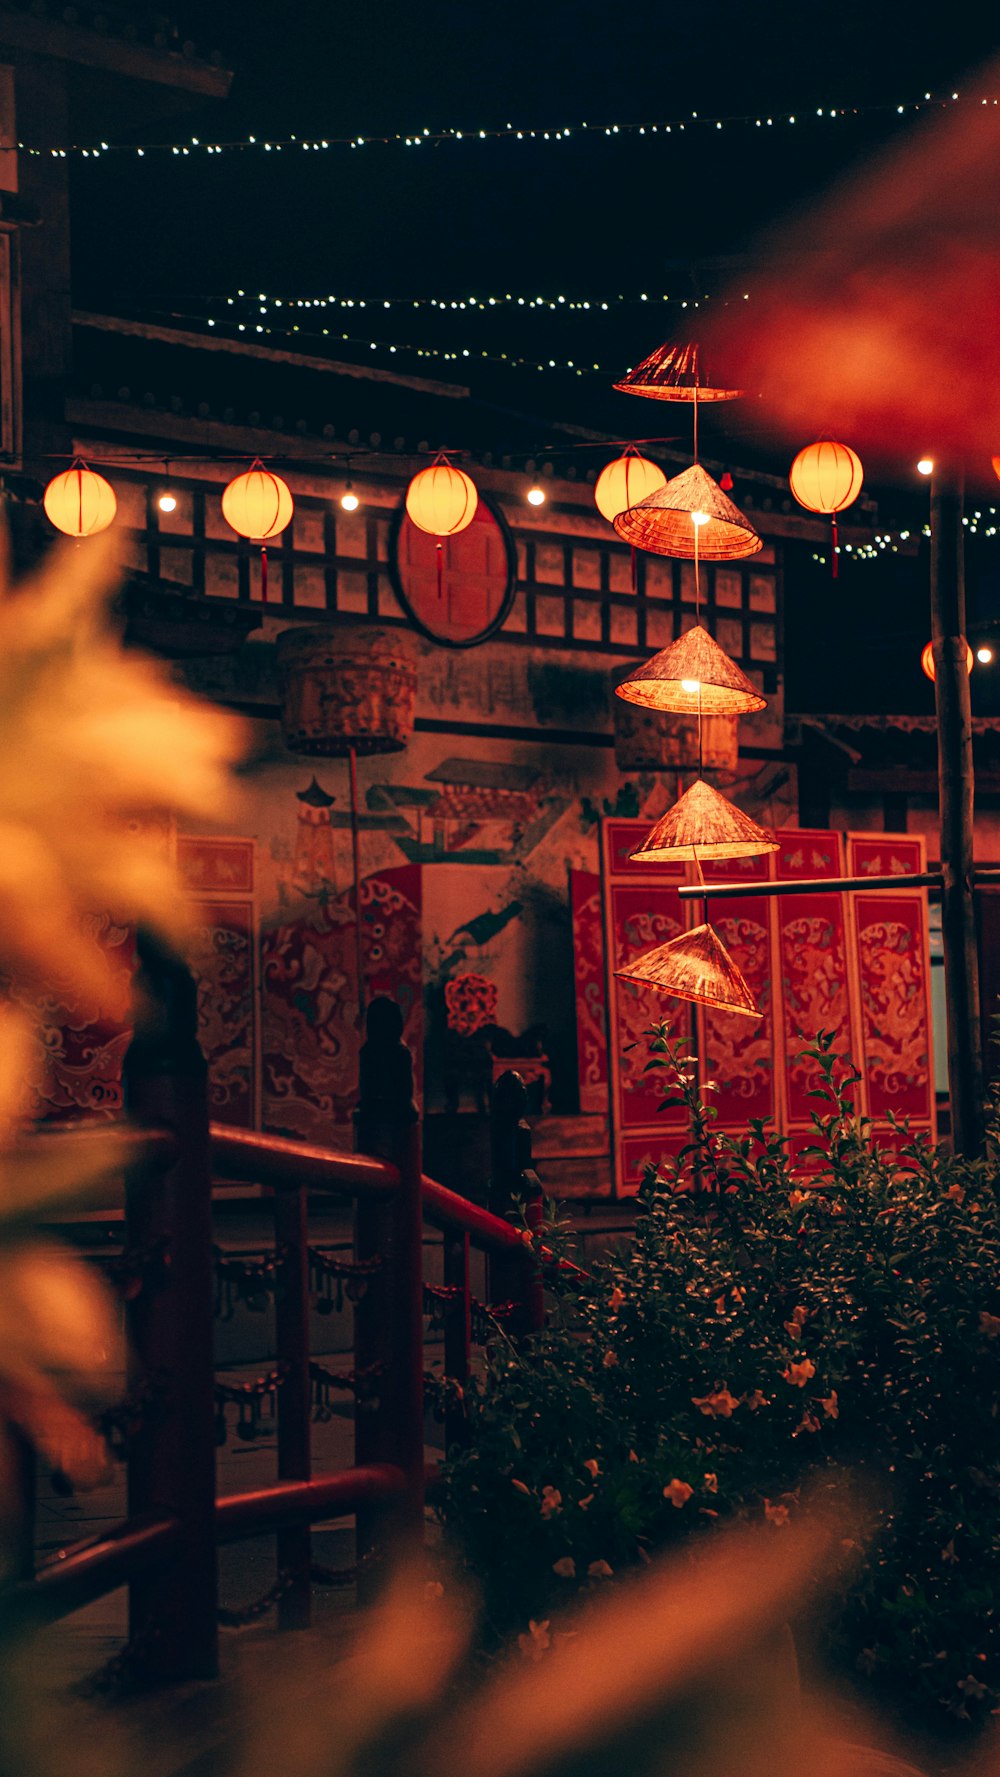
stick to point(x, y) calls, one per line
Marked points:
point(634, 580)
point(835, 552)
point(263, 574)
point(440, 562)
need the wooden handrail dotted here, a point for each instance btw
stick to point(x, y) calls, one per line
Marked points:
point(447, 1210)
point(95, 1565)
point(252, 1158)
point(306, 1502)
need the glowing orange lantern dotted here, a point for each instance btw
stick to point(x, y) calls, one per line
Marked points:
point(626, 481)
point(441, 500)
point(79, 502)
point(996, 466)
point(826, 477)
point(258, 505)
point(927, 660)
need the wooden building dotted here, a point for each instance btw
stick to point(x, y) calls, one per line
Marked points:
point(478, 840)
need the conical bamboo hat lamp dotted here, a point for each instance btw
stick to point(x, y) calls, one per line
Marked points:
point(703, 825)
point(690, 517)
point(674, 373)
point(692, 676)
point(694, 966)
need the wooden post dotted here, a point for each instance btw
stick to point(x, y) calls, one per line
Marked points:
point(514, 1277)
point(956, 793)
point(172, 1610)
point(294, 1403)
point(388, 1127)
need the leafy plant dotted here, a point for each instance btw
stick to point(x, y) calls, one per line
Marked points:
point(774, 1319)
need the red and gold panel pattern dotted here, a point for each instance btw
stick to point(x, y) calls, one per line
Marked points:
point(893, 961)
point(813, 956)
point(639, 916)
point(640, 1152)
point(736, 1053)
point(591, 990)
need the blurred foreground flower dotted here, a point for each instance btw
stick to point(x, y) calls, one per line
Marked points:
point(97, 749)
point(99, 752)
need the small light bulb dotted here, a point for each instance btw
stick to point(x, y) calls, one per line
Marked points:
point(984, 655)
point(167, 502)
point(698, 518)
point(692, 686)
point(349, 499)
point(536, 495)
point(925, 466)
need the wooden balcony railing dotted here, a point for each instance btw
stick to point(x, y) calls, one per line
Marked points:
point(166, 1548)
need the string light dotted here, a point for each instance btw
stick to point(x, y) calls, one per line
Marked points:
point(167, 503)
point(536, 495)
point(925, 466)
point(349, 499)
point(415, 139)
point(560, 304)
point(984, 655)
point(442, 353)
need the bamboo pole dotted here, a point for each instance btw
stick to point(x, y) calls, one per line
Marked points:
point(956, 793)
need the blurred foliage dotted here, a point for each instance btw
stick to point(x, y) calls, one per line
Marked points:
point(773, 1320)
point(688, 1671)
point(99, 753)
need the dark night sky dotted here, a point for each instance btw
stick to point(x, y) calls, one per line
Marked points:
point(585, 218)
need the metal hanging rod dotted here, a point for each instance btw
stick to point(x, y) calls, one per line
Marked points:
point(817, 885)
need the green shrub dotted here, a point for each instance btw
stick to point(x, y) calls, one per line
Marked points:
point(771, 1320)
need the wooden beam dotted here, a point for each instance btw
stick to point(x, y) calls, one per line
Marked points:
point(61, 42)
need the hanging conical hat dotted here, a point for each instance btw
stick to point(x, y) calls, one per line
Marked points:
point(674, 373)
point(703, 824)
point(696, 966)
point(690, 675)
point(663, 521)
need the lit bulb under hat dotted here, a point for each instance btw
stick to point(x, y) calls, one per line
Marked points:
point(705, 825)
point(694, 966)
point(689, 516)
point(690, 676)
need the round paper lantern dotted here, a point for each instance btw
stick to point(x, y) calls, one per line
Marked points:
point(441, 500)
point(996, 466)
point(80, 503)
point(257, 504)
point(626, 481)
point(826, 477)
point(927, 660)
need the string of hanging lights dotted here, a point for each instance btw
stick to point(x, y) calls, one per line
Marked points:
point(560, 304)
point(310, 143)
point(443, 354)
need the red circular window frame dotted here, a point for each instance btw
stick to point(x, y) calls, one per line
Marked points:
point(412, 551)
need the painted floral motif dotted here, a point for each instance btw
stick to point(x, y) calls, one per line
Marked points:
point(471, 1002)
point(738, 1053)
point(814, 978)
point(894, 1008)
point(591, 1004)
